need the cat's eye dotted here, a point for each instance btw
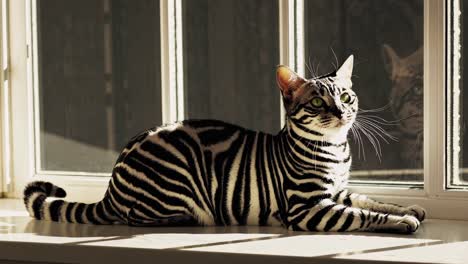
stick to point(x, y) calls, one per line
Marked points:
point(345, 98)
point(317, 102)
point(418, 90)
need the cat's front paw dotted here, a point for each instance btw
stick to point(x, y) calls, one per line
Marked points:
point(407, 224)
point(417, 211)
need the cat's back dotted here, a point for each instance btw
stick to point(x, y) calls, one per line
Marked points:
point(204, 134)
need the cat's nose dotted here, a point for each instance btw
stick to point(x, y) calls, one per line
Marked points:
point(338, 113)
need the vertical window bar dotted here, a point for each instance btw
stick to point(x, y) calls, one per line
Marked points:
point(291, 35)
point(453, 92)
point(291, 16)
point(33, 78)
point(434, 97)
point(169, 112)
point(179, 62)
point(7, 186)
point(299, 36)
point(296, 35)
point(171, 37)
point(4, 103)
point(172, 85)
point(456, 92)
point(283, 44)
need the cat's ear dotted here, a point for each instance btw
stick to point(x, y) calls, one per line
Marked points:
point(391, 60)
point(346, 70)
point(289, 82)
point(344, 73)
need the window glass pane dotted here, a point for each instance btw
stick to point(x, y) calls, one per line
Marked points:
point(231, 50)
point(99, 79)
point(386, 38)
point(457, 94)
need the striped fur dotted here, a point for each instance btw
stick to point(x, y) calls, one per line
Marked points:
point(207, 172)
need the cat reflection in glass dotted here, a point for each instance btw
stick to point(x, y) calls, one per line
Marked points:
point(406, 97)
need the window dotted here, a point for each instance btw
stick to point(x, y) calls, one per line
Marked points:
point(457, 109)
point(230, 51)
point(98, 80)
point(98, 74)
point(386, 39)
point(126, 65)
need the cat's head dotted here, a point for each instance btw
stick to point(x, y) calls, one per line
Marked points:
point(325, 104)
point(406, 74)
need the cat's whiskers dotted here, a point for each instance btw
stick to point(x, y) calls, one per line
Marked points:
point(361, 142)
point(375, 136)
point(370, 125)
point(307, 146)
point(315, 148)
point(336, 59)
point(356, 138)
point(382, 121)
point(375, 110)
point(383, 134)
point(296, 141)
point(317, 68)
point(311, 71)
point(372, 139)
point(377, 120)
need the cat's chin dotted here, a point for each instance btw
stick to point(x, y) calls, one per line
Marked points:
point(339, 126)
point(336, 134)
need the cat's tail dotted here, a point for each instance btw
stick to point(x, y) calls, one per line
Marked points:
point(35, 195)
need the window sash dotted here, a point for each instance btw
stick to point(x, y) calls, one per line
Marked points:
point(4, 102)
point(434, 195)
point(453, 114)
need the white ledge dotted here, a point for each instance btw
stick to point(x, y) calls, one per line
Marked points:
point(23, 239)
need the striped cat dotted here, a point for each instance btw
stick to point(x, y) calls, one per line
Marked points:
point(207, 172)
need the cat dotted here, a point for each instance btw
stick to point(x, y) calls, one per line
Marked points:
point(208, 172)
point(406, 104)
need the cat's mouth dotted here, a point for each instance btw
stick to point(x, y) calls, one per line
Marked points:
point(412, 126)
point(342, 122)
point(337, 123)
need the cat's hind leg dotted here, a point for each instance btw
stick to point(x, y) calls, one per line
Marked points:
point(364, 202)
point(136, 218)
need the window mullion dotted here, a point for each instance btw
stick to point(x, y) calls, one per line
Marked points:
point(172, 86)
point(3, 161)
point(299, 37)
point(169, 110)
point(21, 96)
point(179, 62)
point(454, 98)
point(283, 43)
point(434, 154)
point(291, 32)
point(6, 186)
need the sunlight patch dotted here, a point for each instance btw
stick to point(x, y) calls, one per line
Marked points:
point(456, 252)
point(165, 241)
point(33, 238)
point(313, 245)
point(13, 213)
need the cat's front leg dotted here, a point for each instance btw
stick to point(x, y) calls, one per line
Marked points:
point(362, 201)
point(327, 215)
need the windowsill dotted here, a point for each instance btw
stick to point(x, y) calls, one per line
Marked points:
point(27, 240)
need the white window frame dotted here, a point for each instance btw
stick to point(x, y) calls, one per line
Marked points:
point(4, 100)
point(18, 116)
